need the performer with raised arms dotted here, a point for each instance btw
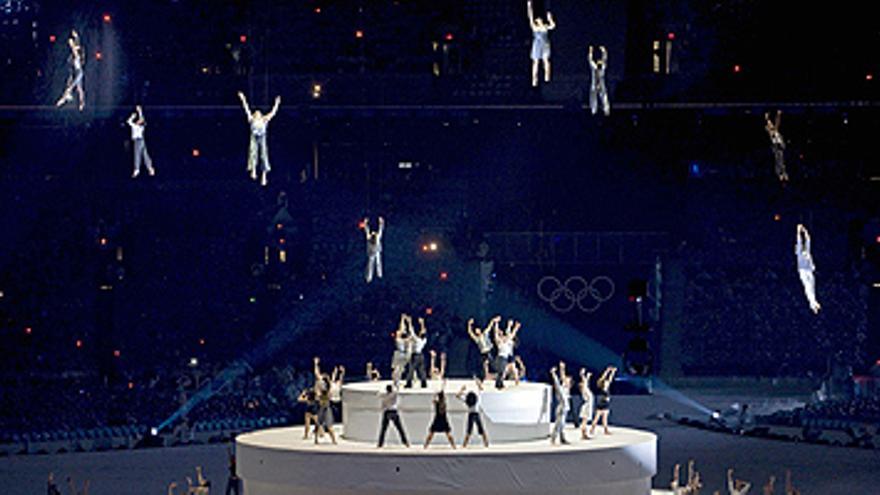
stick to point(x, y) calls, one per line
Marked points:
point(540, 43)
point(440, 424)
point(483, 339)
point(598, 90)
point(777, 144)
point(603, 404)
point(374, 249)
point(806, 267)
point(417, 356)
point(137, 123)
point(258, 150)
point(474, 405)
point(75, 79)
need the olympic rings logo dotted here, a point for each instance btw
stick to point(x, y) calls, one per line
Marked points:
point(575, 291)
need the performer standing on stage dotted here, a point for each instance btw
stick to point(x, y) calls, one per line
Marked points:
point(402, 348)
point(586, 412)
point(390, 403)
point(540, 43)
point(440, 424)
point(777, 144)
point(325, 412)
point(474, 404)
point(561, 389)
point(417, 357)
point(483, 339)
point(374, 249)
point(603, 405)
point(736, 487)
point(504, 363)
point(308, 397)
point(258, 150)
point(598, 90)
point(336, 381)
point(438, 373)
point(75, 79)
point(137, 123)
point(806, 267)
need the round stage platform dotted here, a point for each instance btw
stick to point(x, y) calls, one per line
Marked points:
point(278, 461)
point(514, 414)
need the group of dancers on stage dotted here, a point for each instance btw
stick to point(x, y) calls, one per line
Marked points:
point(323, 400)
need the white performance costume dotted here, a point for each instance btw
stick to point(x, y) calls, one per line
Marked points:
point(141, 155)
point(374, 250)
point(598, 90)
point(806, 267)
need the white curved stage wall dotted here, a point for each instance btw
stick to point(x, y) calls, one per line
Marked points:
point(278, 461)
point(514, 414)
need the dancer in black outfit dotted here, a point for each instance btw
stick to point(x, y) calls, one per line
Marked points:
point(440, 424)
point(390, 402)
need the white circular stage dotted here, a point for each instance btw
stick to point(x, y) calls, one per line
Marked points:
point(514, 414)
point(279, 462)
point(520, 458)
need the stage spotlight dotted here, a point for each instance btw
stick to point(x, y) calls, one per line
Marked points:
point(116, 353)
point(79, 344)
point(99, 56)
point(106, 18)
point(737, 69)
point(433, 247)
point(869, 77)
point(316, 91)
point(196, 153)
point(358, 34)
point(193, 362)
point(28, 330)
point(444, 276)
point(777, 217)
point(154, 431)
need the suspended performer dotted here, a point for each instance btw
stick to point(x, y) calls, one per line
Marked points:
point(777, 144)
point(258, 151)
point(374, 249)
point(137, 123)
point(806, 267)
point(540, 43)
point(598, 90)
point(75, 79)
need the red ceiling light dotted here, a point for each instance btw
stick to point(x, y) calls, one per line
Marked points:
point(116, 353)
point(448, 37)
point(52, 38)
point(358, 34)
point(196, 153)
point(243, 38)
point(737, 69)
point(670, 36)
point(106, 18)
